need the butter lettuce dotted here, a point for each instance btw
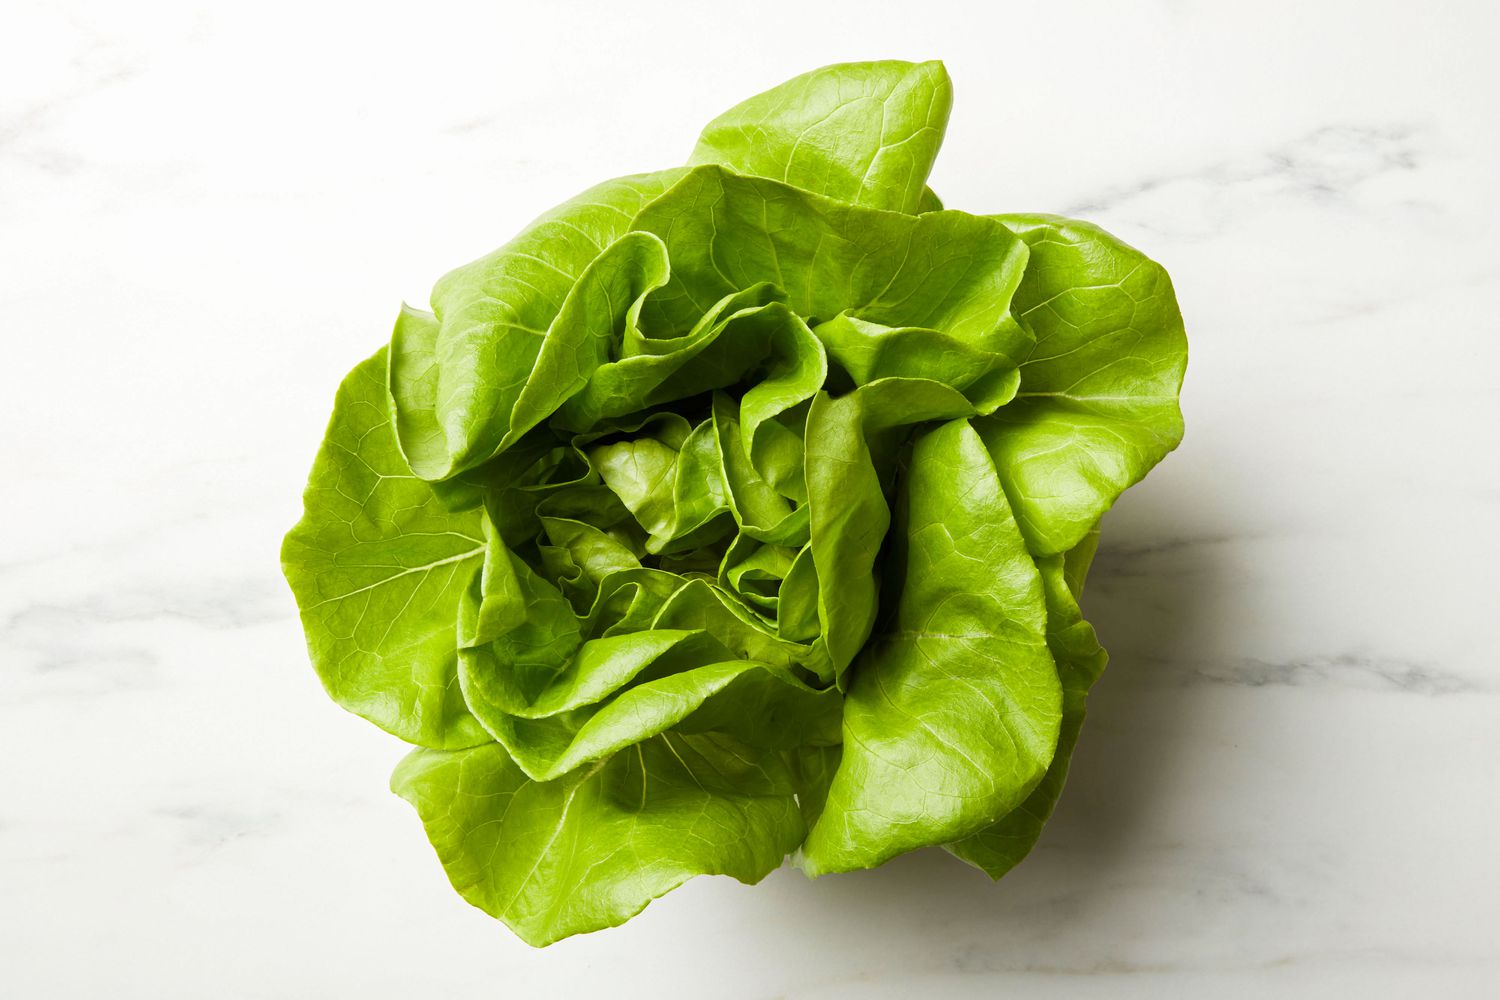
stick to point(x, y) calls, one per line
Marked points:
point(738, 511)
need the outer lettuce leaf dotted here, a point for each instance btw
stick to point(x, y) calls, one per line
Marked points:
point(1097, 406)
point(457, 376)
point(953, 714)
point(866, 133)
point(590, 850)
point(1077, 560)
point(378, 564)
point(1001, 846)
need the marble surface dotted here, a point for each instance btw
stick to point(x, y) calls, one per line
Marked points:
point(1289, 779)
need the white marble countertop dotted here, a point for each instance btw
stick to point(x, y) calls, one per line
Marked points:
point(1290, 779)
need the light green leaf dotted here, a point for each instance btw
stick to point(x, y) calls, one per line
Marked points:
point(672, 479)
point(378, 563)
point(701, 606)
point(794, 369)
point(757, 703)
point(797, 599)
point(847, 505)
point(457, 376)
point(1001, 846)
point(978, 366)
point(946, 271)
point(733, 335)
point(1097, 406)
point(865, 132)
point(752, 566)
point(594, 670)
point(517, 620)
point(761, 510)
point(813, 768)
point(953, 713)
point(591, 849)
point(580, 556)
point(600, 309)
point(1078, 559)
point(630, 600)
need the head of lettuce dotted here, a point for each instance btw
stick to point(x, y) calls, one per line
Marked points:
point(738, 510)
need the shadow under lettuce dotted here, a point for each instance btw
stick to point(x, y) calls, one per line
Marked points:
point(1150, 591)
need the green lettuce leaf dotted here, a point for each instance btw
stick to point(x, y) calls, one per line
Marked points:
point(953, 715)
point(849, 514)
point(378, 565)
point(865, 133)
point(758, 703)
point(998, 848)
point(457, 375)
point(946, 271)
point(590, 850)
point(1097, 406)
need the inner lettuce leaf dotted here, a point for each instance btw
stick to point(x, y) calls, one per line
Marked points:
point(737, 511)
